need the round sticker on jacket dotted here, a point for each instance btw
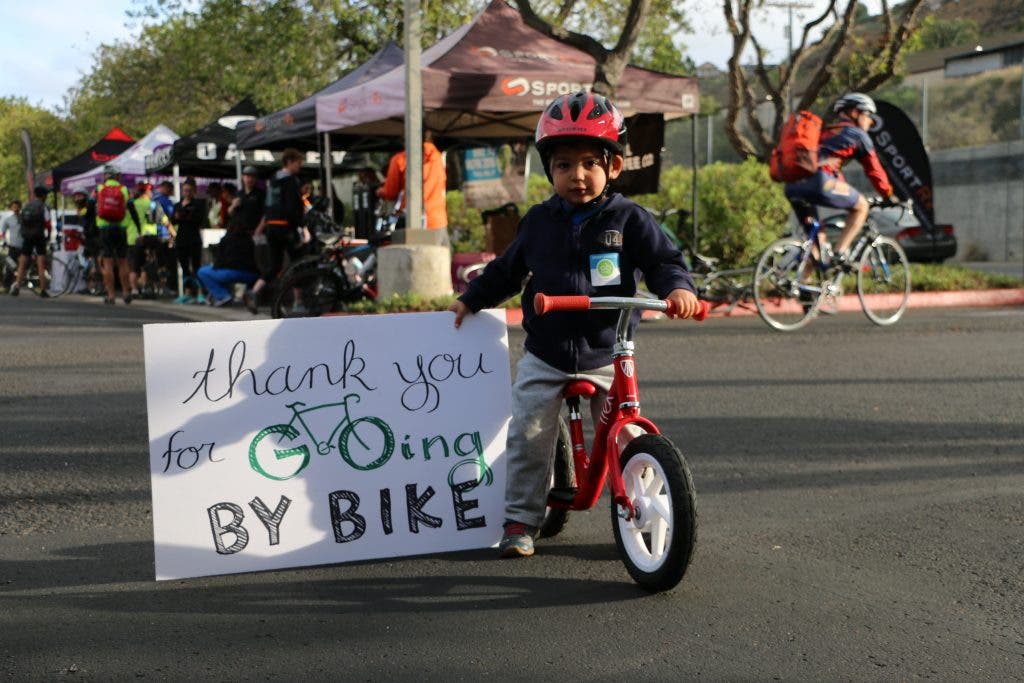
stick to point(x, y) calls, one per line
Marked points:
point(605, 270)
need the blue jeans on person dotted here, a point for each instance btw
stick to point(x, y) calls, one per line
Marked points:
point(218, 280)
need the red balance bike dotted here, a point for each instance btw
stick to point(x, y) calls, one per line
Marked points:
point(654, 512)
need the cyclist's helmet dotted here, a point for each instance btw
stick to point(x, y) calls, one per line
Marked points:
point(855, 100)
point(580, 116)
point(110, 171)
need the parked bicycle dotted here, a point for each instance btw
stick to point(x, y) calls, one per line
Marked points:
point(9, 270)
point(343, 271)
point(654, 510)
point(725, 289)
point(70, 273)
point(796, 279)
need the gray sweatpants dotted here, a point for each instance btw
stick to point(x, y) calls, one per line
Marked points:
point(533, 432)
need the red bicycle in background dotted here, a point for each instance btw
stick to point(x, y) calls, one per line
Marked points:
point(654, 508)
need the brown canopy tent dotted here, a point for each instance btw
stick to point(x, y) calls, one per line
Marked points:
point(491, 78)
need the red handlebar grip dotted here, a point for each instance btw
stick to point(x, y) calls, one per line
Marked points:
point(543, 303)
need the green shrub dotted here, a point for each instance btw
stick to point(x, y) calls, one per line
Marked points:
point(740, 211)
point(465, 224)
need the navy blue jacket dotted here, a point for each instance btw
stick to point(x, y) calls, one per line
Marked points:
point(565, 256)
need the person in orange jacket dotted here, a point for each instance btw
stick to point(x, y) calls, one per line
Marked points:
point(434, 180)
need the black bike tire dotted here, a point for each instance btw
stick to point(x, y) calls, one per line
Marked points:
point(682, 533)
point(563, 477)
point(298, 280)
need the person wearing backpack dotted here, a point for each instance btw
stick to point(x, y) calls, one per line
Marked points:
point(34, 229)
point(844, 139)
point(112, 210)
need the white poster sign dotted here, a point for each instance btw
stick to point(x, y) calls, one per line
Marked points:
point(286, 443)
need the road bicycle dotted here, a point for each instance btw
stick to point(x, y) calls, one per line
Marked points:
point(654, 508)
point(724, 289)
point(796, 279)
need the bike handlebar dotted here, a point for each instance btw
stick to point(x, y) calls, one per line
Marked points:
point(543, 303)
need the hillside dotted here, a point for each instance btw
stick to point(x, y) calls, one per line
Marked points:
point(992, 16)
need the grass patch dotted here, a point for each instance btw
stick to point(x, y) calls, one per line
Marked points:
point(931, 277)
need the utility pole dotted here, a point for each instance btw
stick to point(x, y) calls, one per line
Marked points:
point(413, 118)
point(790, 5)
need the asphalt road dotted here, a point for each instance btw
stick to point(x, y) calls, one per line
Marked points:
point(861, 518)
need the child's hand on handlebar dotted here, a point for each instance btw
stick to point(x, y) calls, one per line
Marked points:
point(686, 303)
point(460, 310)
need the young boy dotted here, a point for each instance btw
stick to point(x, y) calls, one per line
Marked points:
point(559, 243)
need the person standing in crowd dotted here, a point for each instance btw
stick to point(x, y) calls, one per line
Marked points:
point(233, 262)
point(163, 209)
point(434, 180)
point(146, 241)
point(246, 209)
point(34, 230)
point(282, 221)
point(85, 209)
point(10, 232)
point(190, 216)
point(228, 192)
point(112, 212)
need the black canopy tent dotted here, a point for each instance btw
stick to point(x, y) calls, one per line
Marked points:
point(109, 147)
point(212, 151)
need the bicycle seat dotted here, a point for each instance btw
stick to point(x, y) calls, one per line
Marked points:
point(580, 387)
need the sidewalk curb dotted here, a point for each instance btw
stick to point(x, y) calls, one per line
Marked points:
point(966, 298)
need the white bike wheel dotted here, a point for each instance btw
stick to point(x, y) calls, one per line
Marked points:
point(657, 543)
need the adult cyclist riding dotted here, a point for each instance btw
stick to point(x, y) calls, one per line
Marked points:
point(844, 139)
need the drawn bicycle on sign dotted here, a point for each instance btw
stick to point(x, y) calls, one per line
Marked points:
point(282, 451)
point(277, 452)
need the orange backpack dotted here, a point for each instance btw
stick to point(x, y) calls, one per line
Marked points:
point(796, 155)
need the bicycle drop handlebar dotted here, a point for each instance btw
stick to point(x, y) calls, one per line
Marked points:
point(543, 303)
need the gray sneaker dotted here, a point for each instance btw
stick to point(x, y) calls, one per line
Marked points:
point(517, 540)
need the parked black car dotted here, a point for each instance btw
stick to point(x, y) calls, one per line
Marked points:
point(920, 245)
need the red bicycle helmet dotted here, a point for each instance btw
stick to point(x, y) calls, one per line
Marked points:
point(580, 116)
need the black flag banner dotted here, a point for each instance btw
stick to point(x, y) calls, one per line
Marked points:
point(30, 166)
point(641, 168)
point(903, 155)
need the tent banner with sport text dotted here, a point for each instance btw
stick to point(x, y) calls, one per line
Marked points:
point(290, 443)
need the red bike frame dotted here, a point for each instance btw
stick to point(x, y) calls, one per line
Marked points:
point(621, 407)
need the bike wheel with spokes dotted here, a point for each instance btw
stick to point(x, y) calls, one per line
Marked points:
point(563, 480)
point(307, 294)
point(786, 291)
point(657, 543)
point(70, 276)
point(883, 281)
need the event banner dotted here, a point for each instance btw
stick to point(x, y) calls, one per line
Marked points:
point(902, 153)
point(495, 176)
point(287, 443)
point(641, 167)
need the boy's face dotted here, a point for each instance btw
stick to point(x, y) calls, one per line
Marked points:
point(580, 172)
